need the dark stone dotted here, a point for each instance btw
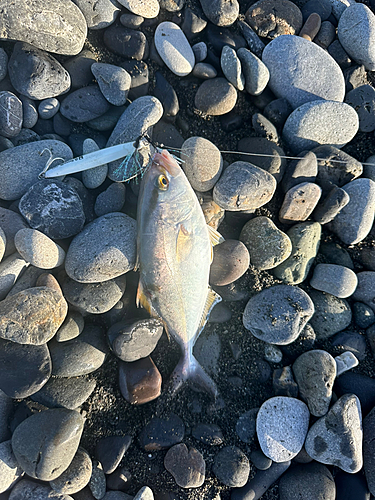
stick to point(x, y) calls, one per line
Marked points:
point(186, 466)
point(327, 209)
point(160, 433)
point(334, 254)
point(283, 382)
point(11, 115)
point(65, 392)
point(253, 41)
point(140, 381)
point(321, 7)
point(79, 68)
point(362, 99)
point(110, 450)
point(351, 341)
point(231, 121)
point(350, 486)
point(166, 94)
point(358, 384)
point(273, 164)
point(307, 481)
point(259, 459)
point(210, 434)
point(217, 37)
point(119, 480)
point(336, 50)
point(110, 200)
point(246, 425)
point(303, 170)
point(61, 125)
point(264, 128)
point(230, 261)
point(278, 111)
point(231, 467)
point(130, 44)
point(84, 104)
point(194, 21)
point(355, 76)
point(369, 450)
point(270, 18)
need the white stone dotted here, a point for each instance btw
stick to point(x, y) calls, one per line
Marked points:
point(145, 8)
point(346, 361)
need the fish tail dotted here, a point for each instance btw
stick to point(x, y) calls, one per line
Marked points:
point(189, 370)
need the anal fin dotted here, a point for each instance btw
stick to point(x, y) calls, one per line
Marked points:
point(212, 299)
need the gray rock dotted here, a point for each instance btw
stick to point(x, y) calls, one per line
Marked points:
point(215, 97)
point(326, 35)
point(318, 76)
point(117, 495)
point(30, 112)
point(307, 481)
point(356, 30)
point(21, 165)
point(336, 280)
point(203, 163)
point(336, 439)
point(3, 64)
point(187, 466)
point(45, 443)
point(337, 52)
point(97, 482)
point(320, 122)
point(264, 128)
point(37, 249)
point(11, 115)
point(282, 425)
point(278, 314)
point(64, 392)
point(303, 170)
point(93, 177)
point(204, 71)
point(299, 202)
point(125, 42)
point(79, 68)
point(221, 12)
point(99, 14)
point(200, 51)
point(110, 200)
point(76, 476)
point(273, 163)
point(244, 186)
point(362, 99)
point(26, 489)
point(10, 223)
point(351, 342)
point(28, 279)
point(305, 238)
point(114, 82)
point(231, 466)
point(338, 6)
point(84, 104)
point(365, 291)
point(3, 242)
point(145, 493)
point(246, 425)
point(363, 315)
point(331, 314)
point(80, 356)
point(139, 381)
point(55, 28)
point(36, 74)
point(269, 19)
point(9, 469)
point(149, 9)
point(267, 245)
point(355, 220)
point(253, 41)
point(10, 269)
point(332, 204)
point(255, 71)
point(48, 108)
point(231, 66)
point(315, 373)
point(106, 248)
point(174, 48)
point(6, 409)
point(131, 21)
point(71, 328)
point(369, 450)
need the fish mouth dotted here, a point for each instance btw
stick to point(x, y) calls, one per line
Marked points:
point(164, 159)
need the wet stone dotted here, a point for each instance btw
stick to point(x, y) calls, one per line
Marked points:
point(231, 66)
point(114, 82)
point(110, 451)
point(161, 434)
point(187, 466)
point(220, 12)
point(282, 425)
point(336, 280)
point(309, 481)
point(362, 99)
point(130, 44)
point(64, 392)
point(300, 171)
point(45, 443)
point(255, 72)
point(10, 114)
point(76, 476)
point(273, 163)
point(331, 314)
point(139, 381)
point(299, 202)
point(210, 434)
point(84, 104)
point(231, 260)
point(352, 342)
point(332, 204)
point(336, 439)
point(269, 19)
point(278, 314)
point(35, 247)
point(315, 373)
point(215, 97)
point(231, 466)
point(246, 425)
point(174, 48)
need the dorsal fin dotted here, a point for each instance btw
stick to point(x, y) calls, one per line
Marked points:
point(215, 236)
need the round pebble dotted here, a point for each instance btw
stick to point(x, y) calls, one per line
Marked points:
point(351, 342)
point(230, 261)
point(62, 392)
point(246, 425)
point(331, 314)
point(84, 104)
point(173, 47)
point(110, 451)
point(48, 108)
point(186, 466)
point(299, 202)
point(231, 466)
point(272, 162)
point(93, 177)
point(37, 491)
point(125, 42)
point(140, 381)
point(114, 82)
point(336, 280)
point(255, 72)
point(363, 315)
point(148, 9)
point(216, 97)
point(231, 66)
point(36, 248)
point(110, 200)
point(76, 476)
point(362, 99)
point(309, 481)
point(9, 469)
point(98, 15)
point(220, 12)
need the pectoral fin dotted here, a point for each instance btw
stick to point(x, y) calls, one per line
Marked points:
point(215, 236)
point(212, 299)
point(183, 244)
point(141, 299)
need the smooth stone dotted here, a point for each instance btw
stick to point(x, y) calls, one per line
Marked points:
point(53, 208)
point(145, 493)
point(278, 314)
point(305, 238)
point(362, 99)
point(272, 354)
point(48, 280)
point(3, 64)
point(355, 31)
point(84, 104)
point(114, 82)
point(311, 27)
point(367, 258)
point(149, 9)
point(172, 6)
point(231, 466)
point(270, 20)
point(365, 291)
point(336, 280)
point(331, 205)
point(21, 165)
point(253, 41)
point(10, 269)
point(187, 466)
point(130, 44)
point(350, 486)
point(28, 279)
point(326, 35)
point(24, 368)
point(139, 381)
point(6, 410)
point(320, 122)
point(231, 66)
point(200, 51)
point(9, 469)
point(110, 451)
point(162, 433)
point(76, 476)
point(166, 94)
point(119, 480)
point(68, 393)
point(30, 112)
point(355, 220)
point(131, 21)
point(321, 7)
point(80, 356)
point(99, 14)
point(336, 439)
point(37, 249)
point(132, 341)
point(202, 163)
point(255, 72)
point(26, 489)
point(105, 249)
point(331, 314)
point(45, 443)
point(267, 245)
point(215, 97)
point(354, 77)
point(246, 425)
point(273, 163)
point(61, 125)
point(315, 373)
point(360, 385)
point(337, 52)
point(298, 171)
point(55, 28)
point(115, 495)
point(220, 314)
point(264, 128)
point(307, 481)
point(259, 459)
point(369, 450)
point(174, 48)
point(194, 21)
point(97, 483)
point(110, 200)
point(138, 70)
point(221, 12)
point(231, 260)
point(48, 108)
point(345, 361)
point(79, 67)
point(207, 351)
point(244, 186)
point(319, 77)
point(352, 342)
point(32, 316)
point(11, 115)
point(277, 111)
point(93, 177)
point(204, 71)
point(210, 434)
point(299, 202)
point(363, 315)
point(282, 424)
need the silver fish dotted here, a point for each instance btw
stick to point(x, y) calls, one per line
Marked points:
point(174, 247)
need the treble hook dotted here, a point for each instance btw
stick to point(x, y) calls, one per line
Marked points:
point(49, 162)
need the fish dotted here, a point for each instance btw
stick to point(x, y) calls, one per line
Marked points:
point(174, 254)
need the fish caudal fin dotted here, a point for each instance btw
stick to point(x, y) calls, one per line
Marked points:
point(189, 370)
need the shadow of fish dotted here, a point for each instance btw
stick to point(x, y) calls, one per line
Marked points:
point(174, 247)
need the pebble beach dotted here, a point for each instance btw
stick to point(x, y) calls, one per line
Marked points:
point(270, 106)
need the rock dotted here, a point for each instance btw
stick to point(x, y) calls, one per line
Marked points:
point(336, 439)
point(10, 224)
point(27, 280)
point(267, 245)
point(311, 27)
point(110, 200)
point(131, 21)
point(140, 381)
point(110, 451)
point(221, 12)
point(105, 249)
point(255, 71)
point(332, 204)
point(351, 342)
point(32, 316)
point(231, 466)
point(79, 67)
point(203, 163)
point(283, 382)
point(309, 481)
point(360, 385)
point(331, 314)
point(3, 64)
point(118, 480)
point(278, 314)
point(97, 484)
point(36, 248)
point(305, 238)
point(351, 485)
point(148, 9)
point(204, 71)
point(215, 97)
point(300, 171)
point(365, 291)
point(336, 280)
point(9, 469)
point(231, 260)
point(315, 373)
point(21, 166)
point(246, 425)
point(363, 315)
point(99, 14)
point(345, 361)
point(320, 122)
point(138, 70)
point(10, 114)
point(76, 476)
point(160, 434)
point(318, 77)
point(210, 434)
point(166, 94)
point(130, 44)
point(355, 220)
point(80, 356)
point(259, 459)
point(36, 74)
point(263, 127)
point(26, 489)
point(93, 177)
point(362, 99)
point(55, 28)
point(10, 269)
point(244, 186)
point(335, 167)
point(145, 493)
point(231, 66)
point(277, 112)
point(369, 449)
point(64, 392)
point(326, 35)
point(337, 52)
point(48, 108)
point(45, 443)
point(187, 466)
point(84, 104)
point(355, 31)
point(272, 354)
point(271, 20)
point(299, 202)
point(174, 49)
point(253, 41)
point(273, 163)
point(114, 82)
point(6, 409)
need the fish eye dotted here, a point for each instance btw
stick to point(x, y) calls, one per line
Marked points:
point(163, 182)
